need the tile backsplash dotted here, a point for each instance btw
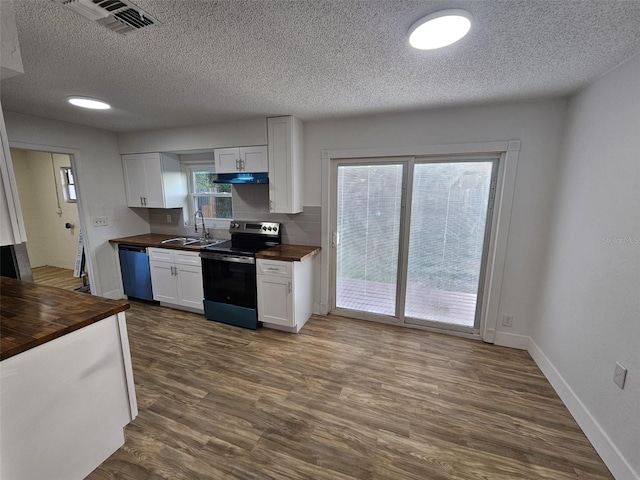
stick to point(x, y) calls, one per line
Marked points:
point(250, 202)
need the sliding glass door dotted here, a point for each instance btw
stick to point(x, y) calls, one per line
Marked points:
point(368, 237)
point(446, 241)
point(420, 265)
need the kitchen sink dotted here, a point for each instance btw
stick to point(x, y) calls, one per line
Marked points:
point(180, 241)
point(196, 242)
point(204, 242)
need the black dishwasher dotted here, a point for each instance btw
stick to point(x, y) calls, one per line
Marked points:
point(136, 274)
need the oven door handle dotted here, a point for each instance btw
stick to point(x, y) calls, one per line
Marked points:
point(227, 258)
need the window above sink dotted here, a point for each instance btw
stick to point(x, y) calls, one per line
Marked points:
point(212, 199)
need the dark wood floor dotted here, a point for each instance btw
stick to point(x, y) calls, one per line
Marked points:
point(343, 399)
point(56, 277)
point(422, 302)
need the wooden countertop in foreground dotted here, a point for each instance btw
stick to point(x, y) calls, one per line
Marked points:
point(31, 314)
point(288, 253)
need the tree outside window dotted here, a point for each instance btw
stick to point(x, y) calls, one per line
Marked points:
point(212, 199)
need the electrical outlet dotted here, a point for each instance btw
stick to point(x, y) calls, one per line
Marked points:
point(620, 375)
point(168, 218)
point(507, 320)
point(100, 221)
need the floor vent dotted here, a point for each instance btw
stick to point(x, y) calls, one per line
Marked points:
point(116, 15)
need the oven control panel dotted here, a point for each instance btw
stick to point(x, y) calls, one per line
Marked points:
point(256, 228)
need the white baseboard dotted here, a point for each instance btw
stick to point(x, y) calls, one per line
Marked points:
point(510, 340)
point(114, 295)
point(610, 455)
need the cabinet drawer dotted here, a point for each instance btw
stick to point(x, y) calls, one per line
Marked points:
point(273, 267)
point(187, 258)
point(161, 255)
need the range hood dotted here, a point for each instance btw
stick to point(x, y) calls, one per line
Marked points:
point(242, 177)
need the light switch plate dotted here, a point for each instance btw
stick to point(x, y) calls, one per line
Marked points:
point(620, 375)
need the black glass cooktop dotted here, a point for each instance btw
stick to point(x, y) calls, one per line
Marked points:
point(242, 249)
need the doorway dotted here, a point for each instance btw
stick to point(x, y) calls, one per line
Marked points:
point(48, 196)
point(411, 237)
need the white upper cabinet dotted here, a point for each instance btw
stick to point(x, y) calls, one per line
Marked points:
point(254, 159)
point(154, 180)
point(241, 159)
point(227, 160)
point(285, 164)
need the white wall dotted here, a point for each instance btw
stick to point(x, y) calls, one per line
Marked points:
point(98, 170)
point(203, 137)
point(588, 316)
point(538, 124)
point(50, 243)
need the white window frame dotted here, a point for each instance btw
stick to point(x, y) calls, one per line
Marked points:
point(65, 185)
point(190, 168)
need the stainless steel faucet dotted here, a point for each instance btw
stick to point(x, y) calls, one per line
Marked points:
point(205, 233)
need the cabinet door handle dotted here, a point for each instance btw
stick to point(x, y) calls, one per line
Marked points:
point(242, 168)
point(289, 287)
point(237, 164)
point(141, 201)
point(145, 201)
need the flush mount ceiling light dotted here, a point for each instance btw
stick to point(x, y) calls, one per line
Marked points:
point(439, 29)
point(86, 102)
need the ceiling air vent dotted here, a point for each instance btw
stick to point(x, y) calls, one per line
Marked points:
point(115, 15)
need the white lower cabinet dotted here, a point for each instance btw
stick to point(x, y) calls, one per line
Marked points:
point(285, 293)
point(176, 277)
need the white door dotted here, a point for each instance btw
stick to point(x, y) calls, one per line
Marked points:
point(163, 282)
point(254, 159)
point(134, 180)
point(190, 291)
point(274, 300)
point(280, 165)
point(154, 197)
point(226, 160)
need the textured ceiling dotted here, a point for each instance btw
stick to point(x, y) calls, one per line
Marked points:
point(224, 60)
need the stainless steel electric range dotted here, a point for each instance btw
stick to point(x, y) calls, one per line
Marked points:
point(229, 272)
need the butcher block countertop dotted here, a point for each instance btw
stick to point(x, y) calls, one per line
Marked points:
point(31, 314)
point(288, 253)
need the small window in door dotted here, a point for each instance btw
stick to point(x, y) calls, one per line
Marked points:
point(68, 185)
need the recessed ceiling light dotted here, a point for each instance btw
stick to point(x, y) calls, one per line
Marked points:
point(86, 102)
point(439, 29)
